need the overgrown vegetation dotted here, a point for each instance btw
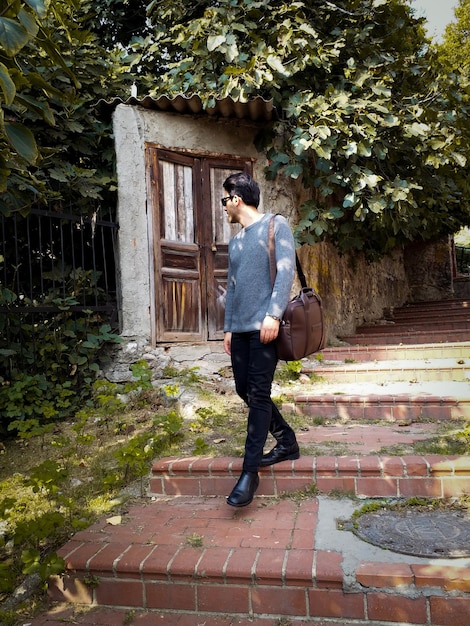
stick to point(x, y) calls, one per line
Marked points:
point(373, 117)
point(370, 121)
point(47, 367)
point(54, 147)
point(78, 471)
point(55, 151)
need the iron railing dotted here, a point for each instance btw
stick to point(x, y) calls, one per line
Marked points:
point(50, 261)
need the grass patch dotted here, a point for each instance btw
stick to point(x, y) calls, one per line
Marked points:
point(415, 503)
point(62, 479)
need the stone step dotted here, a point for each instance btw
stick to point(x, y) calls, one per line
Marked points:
point(381, 372)
point(424, 322)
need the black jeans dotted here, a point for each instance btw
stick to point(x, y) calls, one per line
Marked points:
point(254, 364)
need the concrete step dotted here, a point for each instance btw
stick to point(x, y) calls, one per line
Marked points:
point(380, 372)
point(279, 558)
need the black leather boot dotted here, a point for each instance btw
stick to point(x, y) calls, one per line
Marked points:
point(243, 492)
point(280, 453)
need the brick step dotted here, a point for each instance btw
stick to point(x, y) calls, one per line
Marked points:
point(113, 616)
point(195, 556)
point(362, 476)
point(401, 315)
point(415, 324)
point(394, 402)
point(408, 337)
point(390, 371)
point(451, 612)
point(435, 305)
point(455, 350)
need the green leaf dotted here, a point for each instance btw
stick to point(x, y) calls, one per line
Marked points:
point(214, 41)
point(350, 149)
point(390, 120)
point(12, 36)
point(22, 140)
point(275, 63)
point(39, 6)
point(418, 129)
point(364, 149)
point(460, 159)
point(55, 55)
point(382, 90)
point(377, 204)
point(280, 157)
point(7, 85)
point(321, 131)
point(29, 22)
point(371, 180)
point(349, 200)
point(294, 170)
point(41, 108)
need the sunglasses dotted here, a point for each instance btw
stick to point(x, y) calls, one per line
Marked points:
point(225, 200)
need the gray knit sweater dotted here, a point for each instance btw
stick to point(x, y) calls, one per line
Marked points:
point(249, 292)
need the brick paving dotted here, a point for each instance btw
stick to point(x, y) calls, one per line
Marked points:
point(184, 558)
point(178, 559)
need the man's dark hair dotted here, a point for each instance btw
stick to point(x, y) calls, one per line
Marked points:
point(243, 185)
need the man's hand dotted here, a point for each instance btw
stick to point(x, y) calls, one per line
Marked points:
point(269, 329)
point(228, 343)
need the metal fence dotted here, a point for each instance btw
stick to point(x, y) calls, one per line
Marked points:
point(49, 261)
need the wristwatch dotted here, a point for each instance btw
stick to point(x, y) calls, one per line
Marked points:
point(278, 319)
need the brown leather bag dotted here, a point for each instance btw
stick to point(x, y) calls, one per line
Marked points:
point(302, 330)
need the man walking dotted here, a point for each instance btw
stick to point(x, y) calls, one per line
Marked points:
point(253, 311)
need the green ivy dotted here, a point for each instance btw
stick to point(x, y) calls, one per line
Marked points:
point(68, 354)
point(369, 121)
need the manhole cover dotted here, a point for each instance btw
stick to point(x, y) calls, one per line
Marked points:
point(437, 534)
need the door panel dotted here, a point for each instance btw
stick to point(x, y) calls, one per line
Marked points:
point(190, 243)
point(177, 207)
point(217, 260)
point(178, 282)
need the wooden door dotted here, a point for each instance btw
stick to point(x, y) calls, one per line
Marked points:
point(190, 243)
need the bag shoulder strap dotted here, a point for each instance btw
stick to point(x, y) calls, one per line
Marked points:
point(272, 256)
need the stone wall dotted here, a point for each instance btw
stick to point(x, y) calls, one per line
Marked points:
point(354, 291)
point(428, 267)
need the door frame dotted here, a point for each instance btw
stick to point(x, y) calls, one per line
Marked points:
point(203, 162)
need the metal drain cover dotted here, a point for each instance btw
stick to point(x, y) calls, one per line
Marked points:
point(437, 534)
